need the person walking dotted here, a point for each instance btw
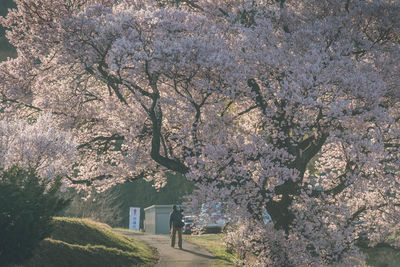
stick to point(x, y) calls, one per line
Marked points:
point(175, 226)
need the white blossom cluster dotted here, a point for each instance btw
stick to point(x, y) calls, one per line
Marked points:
point(38, 145)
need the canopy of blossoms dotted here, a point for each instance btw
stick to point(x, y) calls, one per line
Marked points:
point(289, 107)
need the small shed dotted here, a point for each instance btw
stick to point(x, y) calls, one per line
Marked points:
point(157, 219)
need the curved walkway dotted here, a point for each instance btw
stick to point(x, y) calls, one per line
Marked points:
point(191, 255)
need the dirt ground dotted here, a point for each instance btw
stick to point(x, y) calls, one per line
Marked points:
point(190, 256)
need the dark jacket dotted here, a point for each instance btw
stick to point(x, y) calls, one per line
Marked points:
point(175, 218)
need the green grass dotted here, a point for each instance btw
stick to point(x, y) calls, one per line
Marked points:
point(214, 243)
point(83, 242)
point(125, 230)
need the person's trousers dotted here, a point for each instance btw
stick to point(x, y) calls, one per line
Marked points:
point(175, 230)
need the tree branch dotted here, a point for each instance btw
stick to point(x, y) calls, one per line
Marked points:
point(156, 119)
point(105, 141)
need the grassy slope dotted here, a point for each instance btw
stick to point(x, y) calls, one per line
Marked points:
point(214, 243)
point(82, 242)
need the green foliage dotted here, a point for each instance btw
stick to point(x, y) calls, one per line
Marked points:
point(382, 257)
point(142, 194)
point(83, 242)
point(103, 207)
point(385, 254)
point(112, 206)
point(6, 49)
point(5, 5)
point(26, 208)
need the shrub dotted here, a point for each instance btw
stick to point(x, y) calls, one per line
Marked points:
point(27, 205)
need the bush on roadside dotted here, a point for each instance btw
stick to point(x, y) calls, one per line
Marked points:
point(27, 205)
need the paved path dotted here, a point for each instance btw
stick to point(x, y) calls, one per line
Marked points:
point(190, 256)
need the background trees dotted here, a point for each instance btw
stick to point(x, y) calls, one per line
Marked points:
point(239, 96)
point(6, 50)
point(112, 206)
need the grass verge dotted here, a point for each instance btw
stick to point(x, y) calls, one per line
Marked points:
point(86, 243)
point(214, 243)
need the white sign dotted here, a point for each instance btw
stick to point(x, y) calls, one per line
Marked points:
point(134, 218)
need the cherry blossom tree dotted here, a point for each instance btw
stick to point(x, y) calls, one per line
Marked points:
point(287, 107)
point(38, 146)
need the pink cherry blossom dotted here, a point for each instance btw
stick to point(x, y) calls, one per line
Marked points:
point(286, 107)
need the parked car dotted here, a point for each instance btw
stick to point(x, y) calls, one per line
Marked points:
point(189, 223)
point(213, 218)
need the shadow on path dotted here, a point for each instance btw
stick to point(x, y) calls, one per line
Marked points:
point(199, 254)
